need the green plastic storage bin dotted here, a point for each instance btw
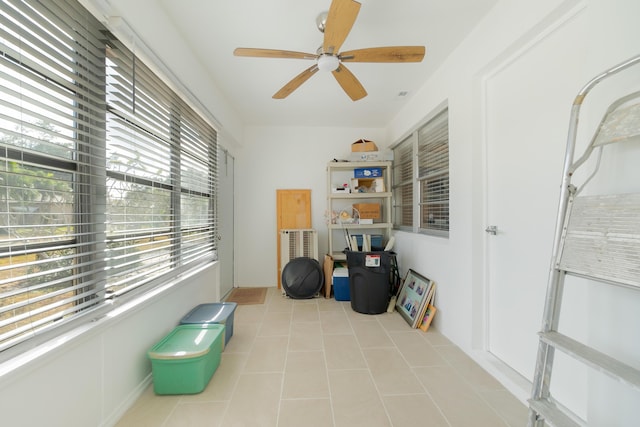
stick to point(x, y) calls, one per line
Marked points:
point(184, 361)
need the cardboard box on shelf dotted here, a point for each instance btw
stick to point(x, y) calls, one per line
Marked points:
point(368, 210)
point(367, 185)
point(364, 145)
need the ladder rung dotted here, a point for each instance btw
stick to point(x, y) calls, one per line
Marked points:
point(593, 358)
point(553, 415)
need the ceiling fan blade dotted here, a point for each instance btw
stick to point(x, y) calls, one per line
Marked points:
point(385, 54)
point(272, 53)
point(349, 83)
point(342, 15)
point(296, 82)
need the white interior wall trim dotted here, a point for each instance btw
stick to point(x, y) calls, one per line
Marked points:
point(555, 20)
point(31, 360)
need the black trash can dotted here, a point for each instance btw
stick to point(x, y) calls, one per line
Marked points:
point(370, 280)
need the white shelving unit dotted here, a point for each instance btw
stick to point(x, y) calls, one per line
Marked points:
point(339, 173)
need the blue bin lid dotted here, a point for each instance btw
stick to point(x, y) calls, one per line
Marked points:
point(216, 312)
point(186, 342)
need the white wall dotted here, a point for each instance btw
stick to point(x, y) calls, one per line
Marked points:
point(270, 158)
point(275, 158)
point(597, 34)
point(516, 31)
point(90, 376)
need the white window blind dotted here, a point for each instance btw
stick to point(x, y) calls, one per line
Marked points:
point(160, 176)
point(198, 185)
point(107, 177)
point(51, 115)
point(403, 178)
point(433, 174)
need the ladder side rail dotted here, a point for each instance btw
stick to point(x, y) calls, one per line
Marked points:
point(596, 142)
point(569, 167)
point(567, 188)
point(575, 112)
point(544, 362)
point(555, 282)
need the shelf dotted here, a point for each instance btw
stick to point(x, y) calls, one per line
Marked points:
point(360, 195)
point(336, 202)
point(360, 226)
point(355, 165)
point(339, 256)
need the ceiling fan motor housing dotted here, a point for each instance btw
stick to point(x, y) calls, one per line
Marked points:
point(327, 62)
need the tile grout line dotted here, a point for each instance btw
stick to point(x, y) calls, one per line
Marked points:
point(244, 367)
point(326, 369)
point(286, 358)
point(413, 372)
point(375, 385)
point(473, 387)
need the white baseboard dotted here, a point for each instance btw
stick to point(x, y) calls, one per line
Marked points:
point(515, 383)
point(112, 419)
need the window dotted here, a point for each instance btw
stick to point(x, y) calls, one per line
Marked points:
point(403, 184)
point(107, 178)
point(421, 198)
point(433, 175)
point(160, 176)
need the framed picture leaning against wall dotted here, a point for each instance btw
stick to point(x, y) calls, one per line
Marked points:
point(412, 297)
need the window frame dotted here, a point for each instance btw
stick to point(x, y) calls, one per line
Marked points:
point(88, 166)
point(420, 204)
point(403, 159)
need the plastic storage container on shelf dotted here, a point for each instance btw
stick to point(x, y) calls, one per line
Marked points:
point(367, 172)
point(184, 361)
point(340, 284)
point(215, 312)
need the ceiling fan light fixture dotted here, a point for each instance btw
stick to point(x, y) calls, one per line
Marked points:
point(328, 62)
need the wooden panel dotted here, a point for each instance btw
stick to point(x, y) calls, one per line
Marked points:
point(293, 210)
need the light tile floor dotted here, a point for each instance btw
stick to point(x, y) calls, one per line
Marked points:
point(293, 363)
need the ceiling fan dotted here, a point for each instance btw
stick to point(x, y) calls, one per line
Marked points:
point(336, 25)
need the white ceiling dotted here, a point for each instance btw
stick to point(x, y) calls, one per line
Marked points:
point(214, 28)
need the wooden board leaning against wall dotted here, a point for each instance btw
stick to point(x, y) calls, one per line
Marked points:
point(293, 210)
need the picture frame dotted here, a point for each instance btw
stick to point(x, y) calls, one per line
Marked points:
point(428, 310)
point(428, 317)
point(412, 297)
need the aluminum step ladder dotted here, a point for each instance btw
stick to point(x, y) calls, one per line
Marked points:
point(596, 238)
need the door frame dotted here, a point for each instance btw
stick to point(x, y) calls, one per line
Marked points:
point(226, 224)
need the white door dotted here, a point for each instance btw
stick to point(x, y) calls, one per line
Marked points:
point(526, 125)
point(225, 220)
